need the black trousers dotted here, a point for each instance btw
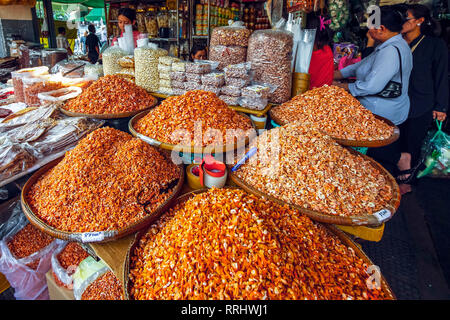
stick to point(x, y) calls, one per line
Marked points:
point(412, 134)
point(388, 156)
point(93, 57)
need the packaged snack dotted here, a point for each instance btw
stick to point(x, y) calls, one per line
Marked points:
point(168, 60)
point(164, 83)
point(177, 84)
point(256, 91)
point(240, 70)
point(191, 86)
point(178, 76)
point(213, 79)
point(164, 68)
point(229, 100)
point(230, 91)
point(215, 90)
point(193, 77)
point(230, 36)
point(227, 55)
point(253, 103)
point(237, 82)
point(179, 66)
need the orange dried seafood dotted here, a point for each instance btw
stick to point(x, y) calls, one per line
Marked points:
point(296, 163)
point(105, 287)
point(336, 111)
point(109, 95)
point(103, 183)
point(188, 111)
point(227, 244)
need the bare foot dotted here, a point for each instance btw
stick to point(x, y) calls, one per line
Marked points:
point(405, 188)
point(404, 164)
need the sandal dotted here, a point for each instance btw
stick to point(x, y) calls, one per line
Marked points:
point(401, 179)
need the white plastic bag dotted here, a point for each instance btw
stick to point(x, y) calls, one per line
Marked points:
point(88, 270)
point(29, 284)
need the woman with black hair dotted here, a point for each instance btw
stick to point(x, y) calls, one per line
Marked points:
point(390, 62)
point(321, 67)
point(198, 52)
point(127, 16)
point(428, 89)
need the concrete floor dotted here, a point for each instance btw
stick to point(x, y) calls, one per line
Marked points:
point(414, 253)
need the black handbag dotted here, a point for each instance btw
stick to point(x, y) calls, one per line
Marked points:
point(393, 89)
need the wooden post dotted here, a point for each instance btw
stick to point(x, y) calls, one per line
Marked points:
point(50, 23)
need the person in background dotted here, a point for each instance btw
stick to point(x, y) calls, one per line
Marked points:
point(92, 45)
point(61, 40)
point(428, 89)
point(391, 61)
point(198, 52)
point(83, 41)
point(127, 16)
point(321, 67)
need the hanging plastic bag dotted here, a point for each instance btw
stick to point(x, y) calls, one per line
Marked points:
point(436, 154)
point(26, 275)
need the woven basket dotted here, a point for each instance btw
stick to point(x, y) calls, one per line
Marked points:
point(368, 220)
point(341, 235)
point(192, 149)
point(355, 143)
point(108, 115)
point(82, 237)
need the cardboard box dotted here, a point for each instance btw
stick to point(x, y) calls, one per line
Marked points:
point(56, 292)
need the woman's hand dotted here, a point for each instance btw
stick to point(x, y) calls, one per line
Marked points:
point(439, 115)
point(370, 40)
point(337, 75)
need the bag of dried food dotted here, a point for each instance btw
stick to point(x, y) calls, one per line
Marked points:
point(88, 270)
point(34, 86)
point(93, 70)
point(25, 257)
point(17, 77)
point(110, 59)
point(146, 61)
point(235, 34)
point(65, 261)
point(227, 55)
point(270, 54)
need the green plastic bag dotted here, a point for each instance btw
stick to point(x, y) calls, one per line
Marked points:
point(436, 154)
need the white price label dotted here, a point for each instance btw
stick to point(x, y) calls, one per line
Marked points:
point(92, 236)
point(382, 215)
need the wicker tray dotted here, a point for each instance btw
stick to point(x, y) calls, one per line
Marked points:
point(368, 220)
point(358, 143)
point(87, 237)
point(341, 235)
point(108, 115)
point(192, 149)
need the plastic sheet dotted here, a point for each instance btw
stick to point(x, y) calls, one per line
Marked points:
point(270, 53)
point(28, 284)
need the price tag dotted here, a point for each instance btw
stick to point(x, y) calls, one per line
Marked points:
point(92, 236)
point(382, 215)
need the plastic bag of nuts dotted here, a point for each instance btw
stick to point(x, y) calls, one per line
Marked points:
point(167, 60)
point(178, 91)
point(126, 62)
point(230, 91)
point(240, 70)
point(229, 100)
point(261, 91)
point(164, 75)
point(270, 53)
point(177, 84)
point(253, 103)
point(193, 77)
point(237, 82)
point(178, 76)
point(110, 59)
point(189, 85)
point(230, 36)
point(164, 83)
point(213, 79)
point(201, 66)
point(227, 55)
point(179, 66)
point(215, 90)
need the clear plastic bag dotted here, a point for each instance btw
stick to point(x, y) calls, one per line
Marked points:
point(110, 60)
point(28, 283)
point(164, 68)
point(240, 70)
point(86, 273)
point(230, 36)
point(237, 82)
point(93, 70)
point(17, 77)
point(253, 103)
point(193, 77)
point(14, 159)
point(436, 154)
point(165, 83)
point(178, 76)
point(146, 61)
point(270, 53)
point(230, 91)
point(189, 85)
point(164, 75)
point(168, 60)
point(34, 86)
point(213, 79)
point(230, 100)
point(201, 66)
point(215, 90)
point(65, 66)
point(177, 84)
point(178, 91)
point(166, 90)
point(179, 66)
point(227, 55)
point(126, 61)
point(260, 91)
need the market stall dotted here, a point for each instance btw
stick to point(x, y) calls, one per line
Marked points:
point(150, 176)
